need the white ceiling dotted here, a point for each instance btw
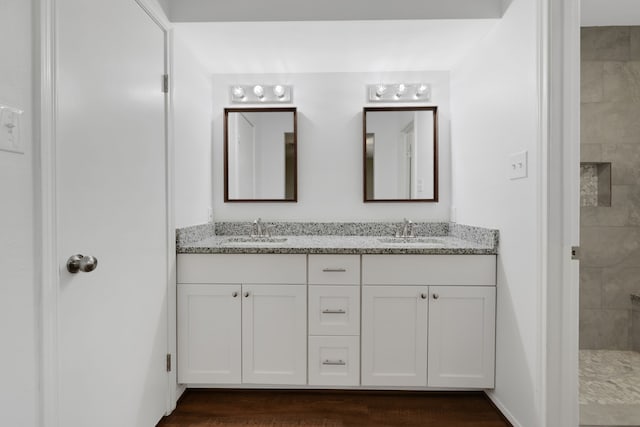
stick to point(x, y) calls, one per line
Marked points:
point(599, 13)
point(330, 10)
point(332, 46)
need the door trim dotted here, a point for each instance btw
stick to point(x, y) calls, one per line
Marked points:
point(563, 212)
point(46, 219)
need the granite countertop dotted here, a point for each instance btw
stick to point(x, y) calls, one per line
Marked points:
point(442, 239)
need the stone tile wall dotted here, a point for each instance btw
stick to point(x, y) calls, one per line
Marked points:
point(610, 236)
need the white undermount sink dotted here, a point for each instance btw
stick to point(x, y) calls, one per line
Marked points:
point(254, 241)
point(412, 240)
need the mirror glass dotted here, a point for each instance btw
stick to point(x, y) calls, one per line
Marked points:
point(260, 155)
point(400, 154)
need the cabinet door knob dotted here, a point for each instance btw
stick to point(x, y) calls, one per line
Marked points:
point(235, 294)
point(423, 296)
point(436, 296)
point(246, 294)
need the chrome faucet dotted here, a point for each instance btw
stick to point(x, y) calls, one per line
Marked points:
point(407, 229)
point(259, 229)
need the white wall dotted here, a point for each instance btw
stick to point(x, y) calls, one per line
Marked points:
point(330, 149)
point(19, 393)
point(600, 13)
point(494, 113)
point(192, 136)
point(164, 4)
point(330, 10)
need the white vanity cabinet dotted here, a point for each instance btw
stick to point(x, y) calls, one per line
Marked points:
point(428, 320)
point(403, 320)
point(461, 336)
point(242, 319)
point(274, 334)
point(334, 320)
point(209, 333)
point(394, 335)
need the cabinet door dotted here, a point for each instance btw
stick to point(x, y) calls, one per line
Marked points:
point(462, 336)
point(394, 335)
point(209, 334)
point(274, 334)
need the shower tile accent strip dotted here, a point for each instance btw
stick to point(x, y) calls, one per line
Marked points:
point(635, 322)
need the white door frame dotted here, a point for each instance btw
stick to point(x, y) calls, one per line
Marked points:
point(560, 125)
point(46, 205)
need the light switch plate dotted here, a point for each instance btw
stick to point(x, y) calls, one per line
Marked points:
point(11, 129)
point(518, 165)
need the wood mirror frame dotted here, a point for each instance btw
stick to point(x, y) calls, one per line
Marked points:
point(290, 163)
point(367, 165)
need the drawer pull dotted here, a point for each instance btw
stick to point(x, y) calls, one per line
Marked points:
point(334, 362)
point(334, 270)
point(334, 311)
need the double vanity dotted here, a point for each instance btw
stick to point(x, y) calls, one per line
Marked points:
point(337, 305)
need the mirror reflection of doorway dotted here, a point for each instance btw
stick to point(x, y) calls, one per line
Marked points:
point(245, 183)
point(369, 181)
point(289, 165)
point(406, 157)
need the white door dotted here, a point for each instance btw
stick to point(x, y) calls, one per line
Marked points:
point(112, 204)
point(274, 334)
point(209, 334)
point(394, 335)
point(462, 324)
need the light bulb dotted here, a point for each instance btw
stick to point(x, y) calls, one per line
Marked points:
point(278, 90)
point(422, 90)
point(238, 92)
point(401, 90)
point(258, 91)
point(380, 90)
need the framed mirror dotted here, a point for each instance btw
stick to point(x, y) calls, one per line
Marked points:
point(400, 146)
point(260, 155)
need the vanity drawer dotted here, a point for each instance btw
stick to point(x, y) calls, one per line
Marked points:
point(334, 310)
point(242, 268)
point(334, 269)
point(462, 270)
point(334, 361)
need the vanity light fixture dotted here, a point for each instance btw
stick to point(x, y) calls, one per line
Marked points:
point(380, 91)
point(399, 92)
point(237, 92)
point(278, 90)
point(423, 91)
point(261, 94)
point(258, 91)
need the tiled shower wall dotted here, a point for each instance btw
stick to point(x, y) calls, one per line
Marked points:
point(610, 236)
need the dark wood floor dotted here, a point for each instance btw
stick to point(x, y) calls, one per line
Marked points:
point(297, 408)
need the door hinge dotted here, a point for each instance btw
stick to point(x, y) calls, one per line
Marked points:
point(575, 252)
point(169, 362)
point(165, 83)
